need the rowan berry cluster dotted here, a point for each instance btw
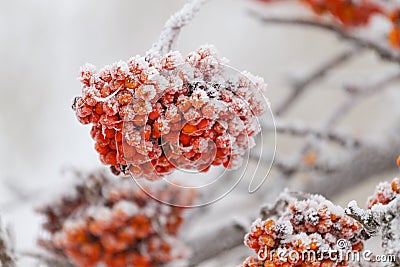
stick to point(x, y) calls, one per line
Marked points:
point(358, 13)
point(385, 192)
point(314, 224)
point(112, 223)
point(151, 116)
point(348, 13)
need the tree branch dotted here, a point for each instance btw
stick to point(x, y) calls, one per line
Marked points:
point(385, 53)
point(301, 130)
point(318, 74)
point(173, 27)
point(371, 159)
point(7, 253)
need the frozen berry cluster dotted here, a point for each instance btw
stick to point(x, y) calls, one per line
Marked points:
point(152, 116)
point(385, 192)
point(113, 224)
point(348, 13)
point(312, 225)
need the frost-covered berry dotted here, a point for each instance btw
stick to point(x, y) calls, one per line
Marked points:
point(385, 192)
point(105, 222)
point(148, 116)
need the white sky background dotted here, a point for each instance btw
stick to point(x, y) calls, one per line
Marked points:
point(43, 43)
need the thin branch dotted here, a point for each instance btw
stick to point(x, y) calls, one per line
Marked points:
point(7, 253)
point(173, 27)
point(299, 129)
point(383, 52)
point(373, 158)
point(315, 76)
point(48, 260)
point(212, 243)
point(356, 94)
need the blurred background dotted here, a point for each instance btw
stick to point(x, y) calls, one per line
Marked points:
point(43, 43)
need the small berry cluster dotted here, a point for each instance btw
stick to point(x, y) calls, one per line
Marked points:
point(151, 116)
point(385, 192)
point(311, 225)
point(351, 13)
point(113, 224)
point(348, 13)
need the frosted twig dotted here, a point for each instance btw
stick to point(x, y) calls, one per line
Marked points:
point(357, 93)
point(382, 220)
point(300, 87)
point(48, 260)
point(299, 129)
point(383, 52)
point(374, 157)
point(7, 253)
point(173, 27)
point(212, 243)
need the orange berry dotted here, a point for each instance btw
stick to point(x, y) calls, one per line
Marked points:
point(185, 139)
point(189, 129)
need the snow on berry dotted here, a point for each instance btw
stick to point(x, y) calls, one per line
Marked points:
point(143, 108)
point(108, 222)
point(308, 228)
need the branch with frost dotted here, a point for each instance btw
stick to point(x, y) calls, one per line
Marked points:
point(384, 52)
point(173, 27)
point(48, 260)
point(215, 242)
point(375, 157)
point(382, 220)
point(7, 253)
point(356, 94)
point(301, 130)
point(300, 87)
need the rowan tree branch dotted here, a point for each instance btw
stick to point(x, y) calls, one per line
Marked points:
point(384, 52)
point(173, 27)
point(7, 253)
point(300, 129)
point(300, 87)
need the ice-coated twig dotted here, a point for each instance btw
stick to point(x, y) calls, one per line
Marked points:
point(300, 129)
point(214, 242)
point(7, 253)
point(382, 220)
point(300, 87)
point(356, 94)
point(373, 158)
point(385, 53)
point(173, 27)
point(48, 260)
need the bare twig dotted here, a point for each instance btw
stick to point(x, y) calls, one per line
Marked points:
point(7, 253)
point(173, 27)
point(383, 52)
point(315, 76)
